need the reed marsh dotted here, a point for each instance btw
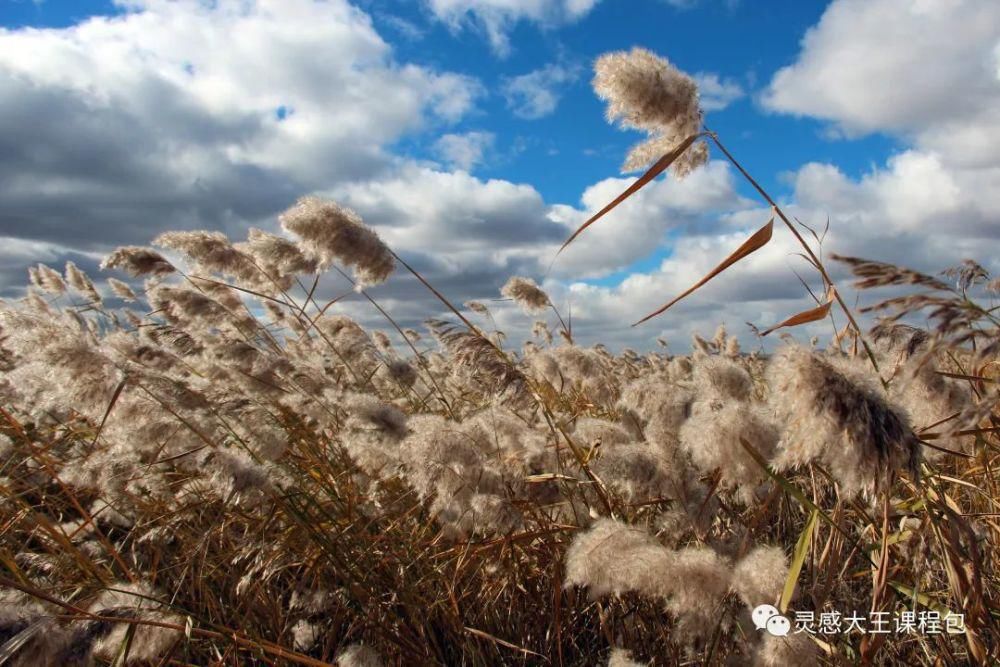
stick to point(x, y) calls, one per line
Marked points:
point(204, 462)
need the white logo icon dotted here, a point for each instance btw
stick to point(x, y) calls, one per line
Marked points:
point(762, 613)
point(767, 617)
point(779, 626)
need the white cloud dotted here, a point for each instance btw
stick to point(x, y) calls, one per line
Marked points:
point(925, 69)
point(536, 94)
point(691, 4)
point(451, 214)
point(497, 17)
point(717, 94)
point(464, 151)
point(405, 28)
point(639, 227)
point(169, 117)
point(913, 212)
point(465, 234)
point(188, 113)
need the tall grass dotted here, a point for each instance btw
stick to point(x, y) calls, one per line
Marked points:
point(217, 467)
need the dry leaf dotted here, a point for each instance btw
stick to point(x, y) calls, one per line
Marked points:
point(811, 315)
point(659, 167)
point(755, 242)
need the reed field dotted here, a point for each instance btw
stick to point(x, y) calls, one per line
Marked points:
point(203, 462)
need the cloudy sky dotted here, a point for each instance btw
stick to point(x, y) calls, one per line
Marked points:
point(467, 133)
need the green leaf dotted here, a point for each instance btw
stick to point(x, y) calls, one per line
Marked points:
point(921, 598)
point(798, 558)
point(122, 658)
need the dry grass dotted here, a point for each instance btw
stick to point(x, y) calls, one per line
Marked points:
point(237, 474)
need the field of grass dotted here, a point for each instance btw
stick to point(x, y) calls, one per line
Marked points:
point(217, 467)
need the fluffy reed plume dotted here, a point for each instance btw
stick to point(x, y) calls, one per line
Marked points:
point(722, 416)
point(613, 558)
point(792, 649)
point(81, 283)
point(305, 635)
point(210, 252)
point(147, 642)
point(478, 355)
point(541, 330)
point(382, 342)
point(471, 471)
point(477, 307)
point(27, 624)
point(121, 290)
point(759, 577)
point(932, 401)
point(359, 655)
point(619, 657)
point(712, 439)
point(401, 371)
point(646, 92)
point(330, 232)
point(374, 431)
point(49, 280)
point(138, 262)
point(840, 420)
point(279, 258)
point(526, 294)
point(637, 471)
point(699, 580)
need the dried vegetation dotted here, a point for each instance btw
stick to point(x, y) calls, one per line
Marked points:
point(214, 467)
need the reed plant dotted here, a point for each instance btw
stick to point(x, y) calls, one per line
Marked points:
point(204, 462)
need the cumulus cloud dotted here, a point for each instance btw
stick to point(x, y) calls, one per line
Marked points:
point(925, 72)
point(464, 151)
point(186, 114)
point(923, 69)
point(912, 211)
point(536, 94)
point(190, 114)
point(462, 219)
point(496, 17)
point(642, 224)
point(717, 93)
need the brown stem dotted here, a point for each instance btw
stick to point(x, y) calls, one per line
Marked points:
point(562, 323)
point(812, 256)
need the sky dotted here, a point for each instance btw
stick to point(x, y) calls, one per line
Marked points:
point(467, 134)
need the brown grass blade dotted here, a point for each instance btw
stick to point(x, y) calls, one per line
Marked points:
point(755, 242)
point(962, 376)
point(806, 316)
point(111, 405)
point(658, 168)
point(964, 431)
point(501, 642)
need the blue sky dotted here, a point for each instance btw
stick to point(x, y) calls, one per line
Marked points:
point(222, 118)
